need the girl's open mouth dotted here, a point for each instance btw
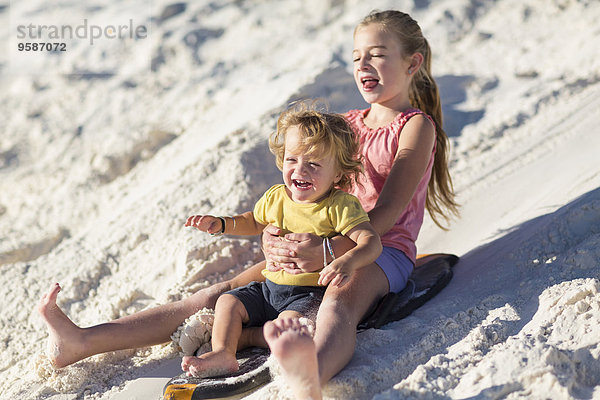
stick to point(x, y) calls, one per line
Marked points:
point(369, 83)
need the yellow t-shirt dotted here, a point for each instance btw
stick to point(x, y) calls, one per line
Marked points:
point(337, 213)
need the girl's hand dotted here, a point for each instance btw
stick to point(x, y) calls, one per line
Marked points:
point(205, 223)
point(337, 273)
point(295, 252)
point(271, 266)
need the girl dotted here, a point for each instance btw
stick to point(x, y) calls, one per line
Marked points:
point(404, 147)
point(392, 71)
point(317, 155)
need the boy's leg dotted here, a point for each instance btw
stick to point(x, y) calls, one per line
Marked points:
point(291, 343)
point(230, 314)
point(289, 337)
point(69, 343)
point(252, 337)
point(289, 314)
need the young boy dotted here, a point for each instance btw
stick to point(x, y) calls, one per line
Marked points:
point(317, 153)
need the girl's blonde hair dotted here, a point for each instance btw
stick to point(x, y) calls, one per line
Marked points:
point(321, 134)
point(424, 95)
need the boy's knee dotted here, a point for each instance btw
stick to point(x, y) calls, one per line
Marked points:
point(204, 298)
point(228, 301)
point(231, 304)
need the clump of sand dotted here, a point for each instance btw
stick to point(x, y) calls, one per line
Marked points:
point(193, 336)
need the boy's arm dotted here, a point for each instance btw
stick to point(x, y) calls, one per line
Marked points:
point(243, 224)
point(368, 248)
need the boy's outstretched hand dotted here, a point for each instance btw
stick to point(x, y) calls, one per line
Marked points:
point(205, 223)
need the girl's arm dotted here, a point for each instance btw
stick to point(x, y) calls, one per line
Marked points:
point(368, 248)
point(414, 151)
point(243, 224)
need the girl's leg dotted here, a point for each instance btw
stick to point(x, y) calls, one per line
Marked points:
point(69, 343)
point(340, 313)
point(333, 345)
point(230, 314)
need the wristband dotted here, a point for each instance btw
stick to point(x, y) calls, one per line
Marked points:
point(222, 231)
point(324, 253)
point(330, 249)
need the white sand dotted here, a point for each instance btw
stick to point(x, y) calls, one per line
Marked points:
point(98, 174)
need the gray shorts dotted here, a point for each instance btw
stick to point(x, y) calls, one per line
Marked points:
point(396, 266)
point(265, 300)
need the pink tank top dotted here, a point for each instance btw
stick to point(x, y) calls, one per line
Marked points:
point(379, 147)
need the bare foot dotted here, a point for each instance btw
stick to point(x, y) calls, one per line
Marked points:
point(64, 336)
point(292, 345)
point(210, 364)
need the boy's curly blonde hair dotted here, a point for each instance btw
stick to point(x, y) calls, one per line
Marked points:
point(322, 134)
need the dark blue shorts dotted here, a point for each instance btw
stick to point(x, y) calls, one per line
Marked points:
point(265, 300)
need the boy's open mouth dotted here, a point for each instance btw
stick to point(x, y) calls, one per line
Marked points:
point(301, 184)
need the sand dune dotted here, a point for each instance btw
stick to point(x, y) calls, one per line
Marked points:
point(105, 151)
